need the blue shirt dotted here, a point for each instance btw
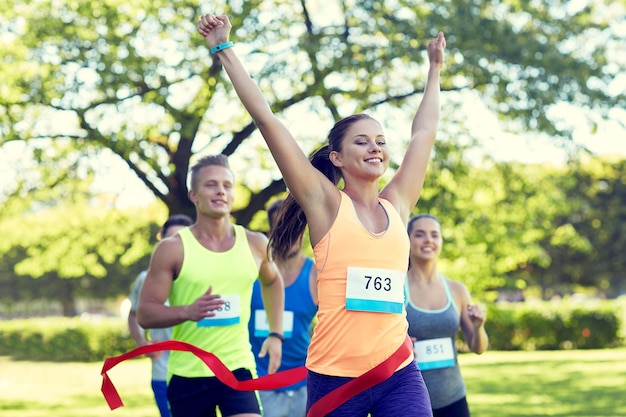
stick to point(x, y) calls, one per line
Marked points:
point(300, 310)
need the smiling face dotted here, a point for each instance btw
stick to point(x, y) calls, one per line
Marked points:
point(364, 151)
point(426, 240)
point(214, 193)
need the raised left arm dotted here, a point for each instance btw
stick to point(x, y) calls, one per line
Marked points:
point(406, 186)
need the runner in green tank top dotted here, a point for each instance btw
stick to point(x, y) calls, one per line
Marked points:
point(207, 272)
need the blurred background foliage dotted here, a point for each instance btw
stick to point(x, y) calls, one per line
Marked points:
point(95, 95)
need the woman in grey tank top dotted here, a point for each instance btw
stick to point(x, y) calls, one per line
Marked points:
point(436, 308)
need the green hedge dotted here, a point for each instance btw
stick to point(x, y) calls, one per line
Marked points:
point(64, 339)
point(521, 326)
point(552, 326)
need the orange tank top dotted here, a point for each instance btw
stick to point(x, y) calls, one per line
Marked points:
point(362, 320)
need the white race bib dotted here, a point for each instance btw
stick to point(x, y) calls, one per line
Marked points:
point(262, 326)
point(435, 353)
point(227, 315)
point(374, 289)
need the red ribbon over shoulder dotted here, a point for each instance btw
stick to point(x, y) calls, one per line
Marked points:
point(321, 408)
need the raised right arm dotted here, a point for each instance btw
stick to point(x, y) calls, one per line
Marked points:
point(310, 187)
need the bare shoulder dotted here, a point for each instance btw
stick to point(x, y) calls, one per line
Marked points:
point(258, 241)
point(459, 290)
point(256, 238)
point(168, 253)
point(455, 285)
point(166, 260)
point(171, 244)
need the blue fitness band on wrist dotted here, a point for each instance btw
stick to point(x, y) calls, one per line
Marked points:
point(221, 47)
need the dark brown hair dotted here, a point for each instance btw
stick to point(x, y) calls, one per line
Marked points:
point(290, 219)
point(409, 225)
point(176, 220)
point(272, 211)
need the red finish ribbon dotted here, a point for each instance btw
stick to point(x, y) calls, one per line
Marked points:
point(378, 374)
point(267, 382)
point(321, 408)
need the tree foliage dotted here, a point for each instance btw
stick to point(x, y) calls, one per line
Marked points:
point(588, 239)
point(81, 80)
point(137, 80)
point(514, 226)
point(504, 226)
point(74, 250)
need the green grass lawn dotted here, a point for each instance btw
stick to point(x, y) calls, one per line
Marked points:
point(588, 383)
point(39, 389)
point(500, 384)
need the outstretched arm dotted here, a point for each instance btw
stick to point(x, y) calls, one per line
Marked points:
point(404, 189)
point(302, 179)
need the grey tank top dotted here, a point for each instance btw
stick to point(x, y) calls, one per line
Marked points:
point(445, 385)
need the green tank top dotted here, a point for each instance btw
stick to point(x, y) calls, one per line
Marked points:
point(232, 274)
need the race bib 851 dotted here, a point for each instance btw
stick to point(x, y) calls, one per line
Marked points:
point(435, 353)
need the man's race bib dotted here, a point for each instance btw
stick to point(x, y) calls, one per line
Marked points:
point(435, 353)
point(262, 326)
point(376, 290)
point(226, 315)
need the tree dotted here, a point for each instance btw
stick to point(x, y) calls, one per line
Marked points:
point(63, 253)
point(136, 79)
point(588, 240)
point(494, 222)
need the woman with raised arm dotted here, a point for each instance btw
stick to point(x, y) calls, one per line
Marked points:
point(358, 237)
